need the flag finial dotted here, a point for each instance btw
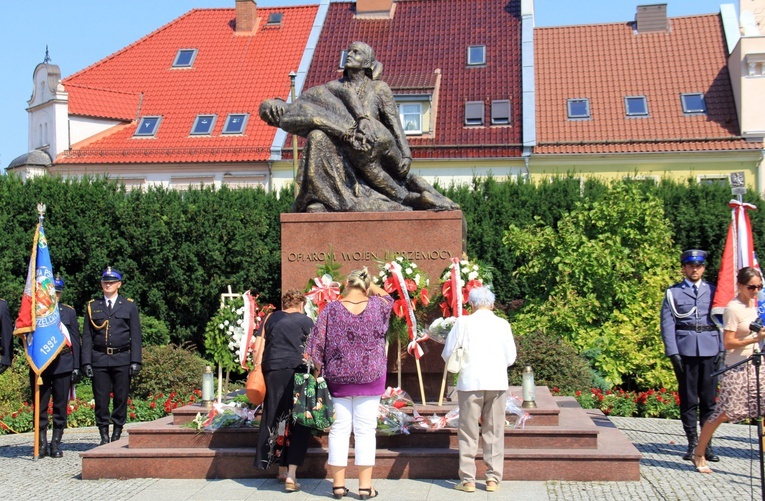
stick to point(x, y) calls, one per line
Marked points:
point(41, 211)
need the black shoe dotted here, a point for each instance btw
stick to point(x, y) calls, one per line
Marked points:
point(43, 448)
point(689, 453)
point(104, 432)
point(709, 455)
point(116, 433)
point(55, 444)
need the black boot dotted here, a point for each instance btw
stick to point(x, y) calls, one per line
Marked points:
point(43, 445)
point(104, 431)
point(116, 433)
point(710, 455)
point(693, 439)
point(55, 444)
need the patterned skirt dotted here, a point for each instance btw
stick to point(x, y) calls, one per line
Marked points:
point(738, 394)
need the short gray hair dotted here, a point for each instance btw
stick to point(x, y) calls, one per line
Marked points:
point(481, 296)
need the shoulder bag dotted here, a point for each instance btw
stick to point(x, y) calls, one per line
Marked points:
point(256, 382)
point(454, 364)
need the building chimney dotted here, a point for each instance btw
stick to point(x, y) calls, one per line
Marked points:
point(651, 18)
point(246, 16)
point(375, 9)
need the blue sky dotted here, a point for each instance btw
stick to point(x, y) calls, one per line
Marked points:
point(79, 33)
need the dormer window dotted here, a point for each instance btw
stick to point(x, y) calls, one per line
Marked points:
point(185, 58)
point(275, 19)
point(500, 112)
point(235, 123)
point(693, 103)
point(476, 55)
point(636, 106)
point(203, 125)
point(147, 126)
point(578, 109)
point(474, 113)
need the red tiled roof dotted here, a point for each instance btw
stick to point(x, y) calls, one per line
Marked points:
point(232, 73)
point(608, 62)
point(426, 35)
point(101, 103)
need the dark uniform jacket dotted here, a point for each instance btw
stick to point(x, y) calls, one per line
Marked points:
point(68, 358)
point(111, 340)
point(694, 335)
point(6, 334)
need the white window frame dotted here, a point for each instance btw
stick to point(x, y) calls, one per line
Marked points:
point(226, 125)
point(634, 114)
point(416, 110)
point(471, 61)
point(686, 108)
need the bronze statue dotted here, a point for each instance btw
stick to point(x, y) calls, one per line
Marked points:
point(357, 157)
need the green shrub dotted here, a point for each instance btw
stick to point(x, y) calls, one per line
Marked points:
point(554, 361)
point(14, 385)
point(168, 369)
point(154, 332)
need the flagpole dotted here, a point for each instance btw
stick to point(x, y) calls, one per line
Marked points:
point(38, 382)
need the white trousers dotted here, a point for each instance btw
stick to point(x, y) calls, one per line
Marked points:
point(357, 415)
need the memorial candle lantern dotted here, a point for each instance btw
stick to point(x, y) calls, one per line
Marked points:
point(208, 387)
point(529, 399)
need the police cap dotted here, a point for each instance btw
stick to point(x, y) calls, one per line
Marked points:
point(693, 256)
point(111, 275)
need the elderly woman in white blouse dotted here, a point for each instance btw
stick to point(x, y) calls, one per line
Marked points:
point(487, 341)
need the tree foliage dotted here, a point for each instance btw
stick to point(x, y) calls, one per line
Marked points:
point(599, 277)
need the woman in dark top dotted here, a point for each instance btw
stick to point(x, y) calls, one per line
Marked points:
point(280, 440)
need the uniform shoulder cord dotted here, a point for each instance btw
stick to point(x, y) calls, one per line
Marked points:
point(96, 326)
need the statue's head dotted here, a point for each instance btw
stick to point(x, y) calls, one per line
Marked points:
point(369, 60)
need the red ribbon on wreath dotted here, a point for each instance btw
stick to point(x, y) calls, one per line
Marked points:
point(324, 291)
point(403, 308)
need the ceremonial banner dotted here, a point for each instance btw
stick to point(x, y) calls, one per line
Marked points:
point(39, 323)
point(738, 253)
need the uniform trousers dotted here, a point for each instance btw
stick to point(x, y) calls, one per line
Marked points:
point(697, 389)
point(108, 380)
point(357, 414)
point(489, 407)
point(58, 385)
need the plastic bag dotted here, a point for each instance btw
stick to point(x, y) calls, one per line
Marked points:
point(439, 329)
point(391, 421)
point(229, 416)
point(518, 416)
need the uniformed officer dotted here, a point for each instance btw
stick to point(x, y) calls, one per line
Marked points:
point(693, 344)
point(111, 352)
point(58, 378)
point(6, 337)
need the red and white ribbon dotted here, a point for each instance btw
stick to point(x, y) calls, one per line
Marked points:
point(248, 324)
point(324, 291)
point(413, 348)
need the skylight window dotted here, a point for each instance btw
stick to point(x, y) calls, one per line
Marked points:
point(637, 106)
point(500, 112)
point(235, 123)
point(203, 125)
point(693, 103)
point(185, 58)
point(474, 113)
point(148, 126)
point(578, 109)
point(476, 55)
point(274, 19)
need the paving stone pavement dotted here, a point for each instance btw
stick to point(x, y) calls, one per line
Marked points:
point(664, 475)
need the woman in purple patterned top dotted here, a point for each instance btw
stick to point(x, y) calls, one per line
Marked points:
point(348, 345)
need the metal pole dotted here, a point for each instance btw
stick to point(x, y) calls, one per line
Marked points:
point(294, 139)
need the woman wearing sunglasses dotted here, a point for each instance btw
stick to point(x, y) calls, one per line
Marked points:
point(738, 394)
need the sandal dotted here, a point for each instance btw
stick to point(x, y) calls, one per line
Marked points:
point(368, 494)
point(703, 468)
point(281, 478)
point(291, 486)
point(339, 495)
point(465, 487)
point(492, 486)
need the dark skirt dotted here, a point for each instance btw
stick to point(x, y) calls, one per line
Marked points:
point(280, 440)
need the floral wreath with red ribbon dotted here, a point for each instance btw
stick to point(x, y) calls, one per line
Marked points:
point(408, 285)
point(457, 280)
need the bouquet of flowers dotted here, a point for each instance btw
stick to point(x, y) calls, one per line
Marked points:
point(323, 288)
point(397, 398)
point(392, 421)
point(518, 416)
point(230, 415)
point(457, 280)
point(450, 420)
point(439, 329)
